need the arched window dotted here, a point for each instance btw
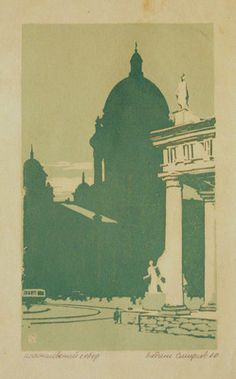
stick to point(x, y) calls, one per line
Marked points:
point(186, 152)
point(173, 154)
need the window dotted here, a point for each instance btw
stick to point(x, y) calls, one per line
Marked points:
point(191, 151)
point(188, 152)
point(172, 154)
point(208, 148)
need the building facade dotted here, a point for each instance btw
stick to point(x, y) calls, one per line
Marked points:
point(188, 159)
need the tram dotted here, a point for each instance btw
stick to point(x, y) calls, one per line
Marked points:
point(33, 295)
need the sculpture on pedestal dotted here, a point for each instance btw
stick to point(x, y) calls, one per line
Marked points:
point(156, 278)
point(182, 93)
point(183, 115)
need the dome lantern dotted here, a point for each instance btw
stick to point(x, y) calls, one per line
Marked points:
point(136, 64)
point(31, 152)
point(83, 177)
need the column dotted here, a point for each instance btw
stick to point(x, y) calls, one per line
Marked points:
point(210, 252)
point(172, 257)
point(97, 168)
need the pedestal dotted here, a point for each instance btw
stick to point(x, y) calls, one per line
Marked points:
point(175, 310)
point(210, 307)
point(184, 116)
point(153, 302)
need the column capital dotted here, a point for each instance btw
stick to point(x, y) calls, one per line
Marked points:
point(207, 196)
point(172, 181)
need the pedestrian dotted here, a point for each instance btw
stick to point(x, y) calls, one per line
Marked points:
point(133, 300)
point(117, 316)
point(139, 322)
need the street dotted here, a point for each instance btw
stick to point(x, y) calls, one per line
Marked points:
point(76, 326)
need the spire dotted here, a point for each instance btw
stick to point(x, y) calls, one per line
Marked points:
point(31, 152)
point(83, 177)
point(136, 64)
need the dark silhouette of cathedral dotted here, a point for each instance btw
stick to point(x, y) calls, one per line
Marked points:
point(66, 251)
point(125, 162)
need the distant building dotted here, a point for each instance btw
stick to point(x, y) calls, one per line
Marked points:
point(38, 204)
point(37, 189)
point(81, 193)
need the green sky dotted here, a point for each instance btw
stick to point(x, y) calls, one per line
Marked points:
point(69, 70)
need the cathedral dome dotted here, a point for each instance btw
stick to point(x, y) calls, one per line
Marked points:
point(33, 165)
point(34, 173)
point(82, 187)
point(81, 192)
point(136, 102)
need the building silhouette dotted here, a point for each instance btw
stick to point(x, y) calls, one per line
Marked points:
point(82, 192)
point(66, 251)
point(37, 189)
point(38, 204)
point(124, 160)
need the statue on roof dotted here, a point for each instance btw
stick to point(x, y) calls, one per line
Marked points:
point(182, 94)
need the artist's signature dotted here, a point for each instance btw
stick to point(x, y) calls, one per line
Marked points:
point(182, 355)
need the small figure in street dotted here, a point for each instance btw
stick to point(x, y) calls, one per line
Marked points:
point(133, 300)
point(117, 316)
point(139, 322)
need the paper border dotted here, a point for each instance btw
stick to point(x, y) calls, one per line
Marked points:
point(114, 364)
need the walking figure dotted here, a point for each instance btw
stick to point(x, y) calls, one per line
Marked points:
point(117, 316)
